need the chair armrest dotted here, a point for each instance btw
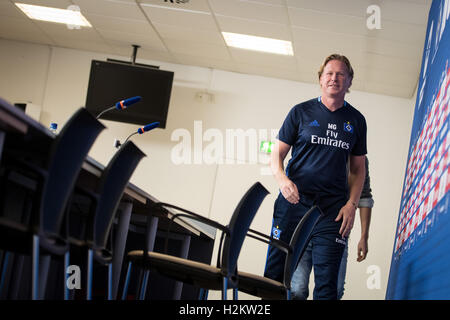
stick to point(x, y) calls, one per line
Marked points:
point(192, 215)
point(195, 216)
point(283, 246)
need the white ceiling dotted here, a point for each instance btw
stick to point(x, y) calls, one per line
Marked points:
point(386, 61)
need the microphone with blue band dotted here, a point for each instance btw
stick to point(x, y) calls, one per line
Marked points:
point(148, 127)
point(141, 130)
point(123, 104)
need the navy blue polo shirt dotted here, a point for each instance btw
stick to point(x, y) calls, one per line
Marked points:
point(321, 142)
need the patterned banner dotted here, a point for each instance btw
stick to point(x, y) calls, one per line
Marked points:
point(421, 255)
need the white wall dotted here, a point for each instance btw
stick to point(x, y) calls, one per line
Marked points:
point(57, 78)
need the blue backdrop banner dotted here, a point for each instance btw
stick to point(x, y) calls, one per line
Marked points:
point(420, 265)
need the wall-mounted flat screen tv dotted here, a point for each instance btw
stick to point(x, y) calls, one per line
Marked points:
point(110, 82)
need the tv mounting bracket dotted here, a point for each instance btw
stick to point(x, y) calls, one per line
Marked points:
point(133, 59)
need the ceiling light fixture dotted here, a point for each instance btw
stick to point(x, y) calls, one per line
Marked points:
point(263, 44)
point(66, 16)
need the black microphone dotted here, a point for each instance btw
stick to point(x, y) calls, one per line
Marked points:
point(123, 104)
point(141, 130)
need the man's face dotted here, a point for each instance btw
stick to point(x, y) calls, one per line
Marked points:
point(335, 79)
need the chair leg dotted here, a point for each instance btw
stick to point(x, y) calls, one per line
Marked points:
point(66, 266)
point(89, 275)
point(139, 284)
point(127, 281)
point(119, 245)
point(144, 285)
point(4, 270)
point(35, 269)
point(288, 294)
point(203, 294)
point(224, 288)
point(110, 281)
point(44, 267)
point(235, 294)
point(17, 276)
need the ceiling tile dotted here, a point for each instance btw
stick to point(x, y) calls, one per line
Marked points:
point(407, 79)
point(191, 34)
point(358, 85)
point(23, 30)
point(189, 19)
point(389, 89)
point(62, 30)
point(400, 32)
point(205, 62)
point(391, 65)
point(82, 44)
point(119, 24)
point(193, 5)
point(113, 8)
point(393, 48)
point(310, 58)
point(359, 73)
point(255, 10)
point(355, 8)
point(254, 27)
point(263, 60)
point(269, 2)
point(424, 2)
point(309, 77)
point(308, 43)
point(330, 22)
point(62, 4)
point(274, 72)
point(197, 49)
point(150, 41)
point(8, 9)
point(396, 11)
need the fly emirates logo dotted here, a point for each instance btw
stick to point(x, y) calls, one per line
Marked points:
point(331, 138)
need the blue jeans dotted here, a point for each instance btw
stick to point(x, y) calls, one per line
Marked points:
point(300, 278)
point(326, 243)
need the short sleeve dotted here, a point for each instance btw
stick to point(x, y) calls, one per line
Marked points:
point(360, 147)
point(366, 192)
point(289, 130)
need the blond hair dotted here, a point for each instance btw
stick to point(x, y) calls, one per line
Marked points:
point(339, 57)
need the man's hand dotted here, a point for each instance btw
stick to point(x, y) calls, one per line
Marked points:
point(287, 187)
point(365, 214)
point(347, 214)
point(362, 249)
point(289, 191)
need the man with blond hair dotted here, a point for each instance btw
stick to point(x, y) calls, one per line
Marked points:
point(326, 135)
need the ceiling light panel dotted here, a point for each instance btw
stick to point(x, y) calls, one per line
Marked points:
point(66, 16)
point(255, 43)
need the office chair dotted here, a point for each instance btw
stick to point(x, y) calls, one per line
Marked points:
point(266, 288)
point(105, 202)
point(46, 232)
point(205, 276)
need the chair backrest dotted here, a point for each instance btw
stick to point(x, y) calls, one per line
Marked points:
point(239, 224)
point(111, 187)
point(66, 157)
point(299, 242)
